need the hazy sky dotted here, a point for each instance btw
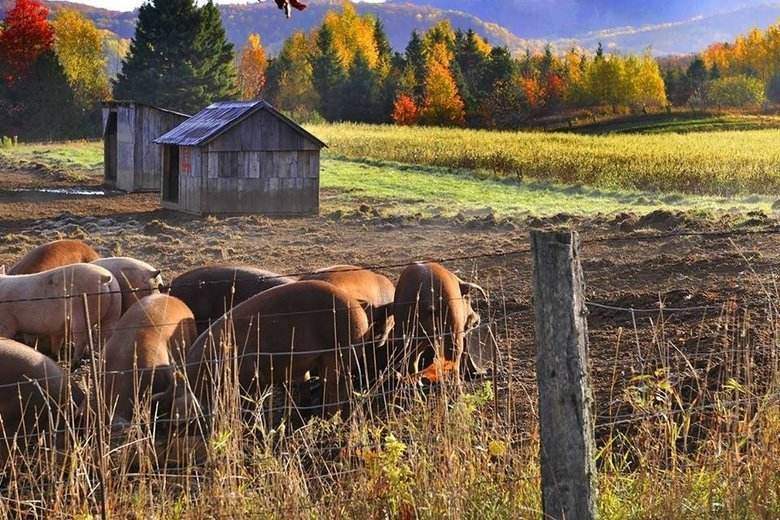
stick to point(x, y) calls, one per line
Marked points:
point(129, 5)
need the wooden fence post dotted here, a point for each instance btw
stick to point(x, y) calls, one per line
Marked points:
point(567, 452)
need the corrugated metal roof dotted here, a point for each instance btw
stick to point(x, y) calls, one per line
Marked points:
point(217, 118)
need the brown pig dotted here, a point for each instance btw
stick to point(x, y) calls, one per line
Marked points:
point(54, 254)
point(35, 398)
point(281, 334)
point(140, 358)
point(433, 313)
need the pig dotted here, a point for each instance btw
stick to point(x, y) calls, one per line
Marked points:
point(54, 254)
point(35, 398)
point(51, 304)
point(140, 359)
point(136, 278)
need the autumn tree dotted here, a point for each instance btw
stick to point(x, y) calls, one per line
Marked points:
point(26, 35)
point(80, 50)
point(441, 105)
point(405, 110)
point(252, 67)
point(351, 34)
point(179, 57)
point(36, 99)
point(289, 84)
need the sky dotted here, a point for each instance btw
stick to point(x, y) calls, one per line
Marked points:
point(129, 5)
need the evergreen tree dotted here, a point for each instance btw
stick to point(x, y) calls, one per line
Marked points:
point(328, 76)
point(383, 47)
point(469, 71)
point(499, 67)
point(697, 75)
point(179, 57)
point(415, 59)
point(363, 90)
point(773, 89)
point(389, 69)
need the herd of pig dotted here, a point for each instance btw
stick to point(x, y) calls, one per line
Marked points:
point(161, 343)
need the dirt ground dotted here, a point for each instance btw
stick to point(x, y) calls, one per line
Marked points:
point(733, 273)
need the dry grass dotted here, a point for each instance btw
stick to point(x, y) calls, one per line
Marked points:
point(686, 436)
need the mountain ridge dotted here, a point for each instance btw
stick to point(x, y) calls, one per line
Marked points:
point(400, 17)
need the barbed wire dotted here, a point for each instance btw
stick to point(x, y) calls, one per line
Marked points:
point(271, 276)
point(616, 420)
point(396, 265)
point(239, 357)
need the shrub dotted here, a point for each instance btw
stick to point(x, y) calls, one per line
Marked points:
point(735, 91)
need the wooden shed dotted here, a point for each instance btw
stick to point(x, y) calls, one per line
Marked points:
point(239, 158)
point(132, 161)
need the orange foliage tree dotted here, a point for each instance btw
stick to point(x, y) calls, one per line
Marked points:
point(442, 105)
point(405, 111)
point(251, 68)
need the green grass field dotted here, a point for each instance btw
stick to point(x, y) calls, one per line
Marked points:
point(679, 122)
point(437, 171)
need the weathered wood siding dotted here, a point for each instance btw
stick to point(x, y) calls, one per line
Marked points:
point(125, 147)
point(261, 165)
point(281, 183)
point(149, 125)
point(139, 159)
point(262, 131)
point(191, 165)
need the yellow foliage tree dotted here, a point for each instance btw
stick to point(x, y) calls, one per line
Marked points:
point(252, 67)
point(352, 34)
point(79, 47)
point(296, 92)
point(756, 54)
point(442, 105)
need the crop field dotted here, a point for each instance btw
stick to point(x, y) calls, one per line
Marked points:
point(717, 163)
point(683, 328)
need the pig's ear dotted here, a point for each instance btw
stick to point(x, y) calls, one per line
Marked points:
point(156, 273)
point(467, 287)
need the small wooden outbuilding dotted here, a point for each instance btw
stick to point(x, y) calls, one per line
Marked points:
point(132, 161)
point(241, 157)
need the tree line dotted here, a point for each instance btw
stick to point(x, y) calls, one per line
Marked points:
point(54, 73)
point(743, 73)
point(346, 70)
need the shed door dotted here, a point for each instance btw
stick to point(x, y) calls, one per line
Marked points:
point(110, 147)
point(170, 187)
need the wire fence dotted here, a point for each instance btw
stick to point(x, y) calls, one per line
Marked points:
point(491, 326)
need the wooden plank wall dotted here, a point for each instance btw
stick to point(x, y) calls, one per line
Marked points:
point(262, 131)
point(125, 147)
point(284, 183)
point(151, 124)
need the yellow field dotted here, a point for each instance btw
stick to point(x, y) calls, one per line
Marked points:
point(703, 162)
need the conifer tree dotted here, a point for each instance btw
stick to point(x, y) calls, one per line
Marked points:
point(179, 57)
point(328, 76)
point(415, 59)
